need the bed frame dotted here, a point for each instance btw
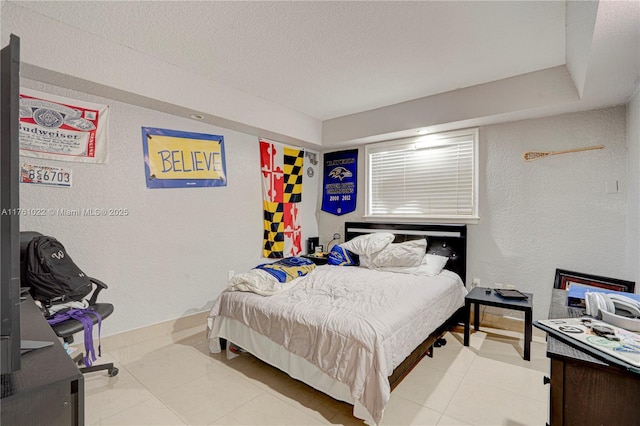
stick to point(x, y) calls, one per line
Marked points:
point(443, 240)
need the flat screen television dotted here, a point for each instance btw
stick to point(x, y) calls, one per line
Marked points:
point(9, 209)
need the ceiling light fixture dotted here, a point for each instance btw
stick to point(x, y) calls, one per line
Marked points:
point(196, 116)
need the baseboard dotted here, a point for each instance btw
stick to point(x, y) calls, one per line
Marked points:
point(153, 331)
point(509, 323)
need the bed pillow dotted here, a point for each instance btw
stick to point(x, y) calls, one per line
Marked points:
point(340, 256)
point(368, 244)
point(431, 266)
point(407, 254)
point(434, 264)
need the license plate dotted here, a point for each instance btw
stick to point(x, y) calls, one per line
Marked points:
point(45, 175)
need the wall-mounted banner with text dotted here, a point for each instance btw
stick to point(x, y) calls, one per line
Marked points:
point(60, 128)
point(340, 182)
point(175, 159)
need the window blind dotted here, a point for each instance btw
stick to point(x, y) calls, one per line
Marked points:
point(432, 176)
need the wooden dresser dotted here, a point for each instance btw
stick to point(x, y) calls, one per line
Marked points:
point(49, 389)
point(585, 390)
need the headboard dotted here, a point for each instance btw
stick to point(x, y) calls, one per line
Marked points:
point(443, 240)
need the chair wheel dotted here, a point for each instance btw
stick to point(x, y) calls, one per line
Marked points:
point(113, 372)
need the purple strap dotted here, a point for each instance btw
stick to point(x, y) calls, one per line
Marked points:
point(82, 315)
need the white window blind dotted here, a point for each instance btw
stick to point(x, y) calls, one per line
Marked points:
point(433, 176)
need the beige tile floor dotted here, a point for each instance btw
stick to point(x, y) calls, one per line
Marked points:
point(174, 380)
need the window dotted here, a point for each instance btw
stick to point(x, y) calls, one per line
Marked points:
point(426, 177)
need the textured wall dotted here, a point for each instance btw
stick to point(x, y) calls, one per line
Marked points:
point(547, 214)
point(633, 197)
point(554, 212)
point(171, 255)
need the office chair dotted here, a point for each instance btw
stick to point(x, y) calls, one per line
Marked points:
point(66, 329)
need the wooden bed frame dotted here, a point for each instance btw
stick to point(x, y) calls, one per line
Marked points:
point(443, 240)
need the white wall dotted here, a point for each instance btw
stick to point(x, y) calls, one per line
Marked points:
point(490, 103)
point(633, 197)
point(171, 255)
point(551, 213)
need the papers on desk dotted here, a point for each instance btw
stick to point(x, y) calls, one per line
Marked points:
point(622, 348)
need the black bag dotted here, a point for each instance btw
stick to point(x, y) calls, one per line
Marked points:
point(52, 275)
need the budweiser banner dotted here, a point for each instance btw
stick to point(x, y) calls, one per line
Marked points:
point(64, 129)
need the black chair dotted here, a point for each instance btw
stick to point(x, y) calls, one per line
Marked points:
point(66, 329)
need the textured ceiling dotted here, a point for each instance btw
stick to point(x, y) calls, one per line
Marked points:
point(330, 59)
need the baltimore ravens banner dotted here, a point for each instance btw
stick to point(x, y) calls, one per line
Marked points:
point(340, 182)
point(282, 168)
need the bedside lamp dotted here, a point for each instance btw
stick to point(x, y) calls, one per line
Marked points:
point(336, 237)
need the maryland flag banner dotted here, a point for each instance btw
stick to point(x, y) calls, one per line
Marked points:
point(281, 168)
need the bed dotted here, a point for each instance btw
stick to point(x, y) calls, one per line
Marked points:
point(352, 332)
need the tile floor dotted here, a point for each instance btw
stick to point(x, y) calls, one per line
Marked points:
point(174, 380)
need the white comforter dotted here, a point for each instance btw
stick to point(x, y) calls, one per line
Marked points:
point(354, 324)
point(259, 282)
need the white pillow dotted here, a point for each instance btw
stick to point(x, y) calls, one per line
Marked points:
point(407, 254)
point(368, 244)
point(431, 266)
point(434, 263)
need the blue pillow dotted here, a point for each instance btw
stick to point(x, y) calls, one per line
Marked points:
point(342, 257)
point(288, 268)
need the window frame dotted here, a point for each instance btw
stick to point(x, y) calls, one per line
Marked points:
point(427, 140)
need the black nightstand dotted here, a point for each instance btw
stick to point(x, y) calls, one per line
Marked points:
point(318, 260)
point(479, 296)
